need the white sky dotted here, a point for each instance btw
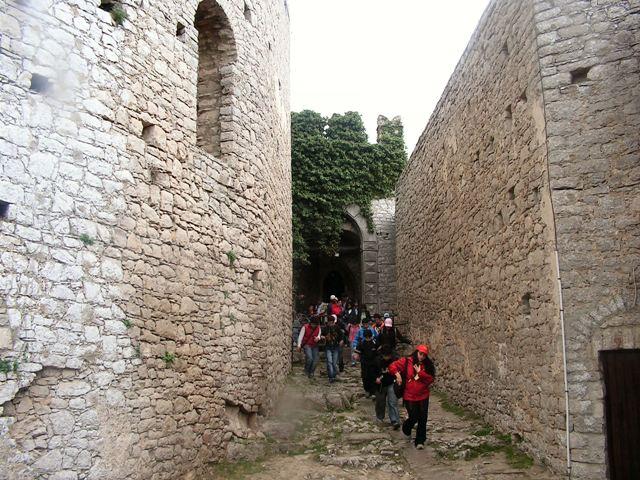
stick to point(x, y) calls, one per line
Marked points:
point(389, 57)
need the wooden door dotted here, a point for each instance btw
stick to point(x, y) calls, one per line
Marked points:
point(621, 372)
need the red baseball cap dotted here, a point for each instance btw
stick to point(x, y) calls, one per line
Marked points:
point(423, 348)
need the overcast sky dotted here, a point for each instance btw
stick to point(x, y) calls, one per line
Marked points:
point(389, 57)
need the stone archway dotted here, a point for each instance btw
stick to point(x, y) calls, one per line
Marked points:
point(377, 254)
point(365, 260)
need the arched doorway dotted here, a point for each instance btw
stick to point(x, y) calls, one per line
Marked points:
point(339, 274)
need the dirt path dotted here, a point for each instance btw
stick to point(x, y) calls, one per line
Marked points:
point(324, 431)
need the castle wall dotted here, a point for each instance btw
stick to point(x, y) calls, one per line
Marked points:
point(139, 274)
point(591, 85)
point(381, 275)
point(475, 238)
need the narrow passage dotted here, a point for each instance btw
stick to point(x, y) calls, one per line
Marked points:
point(323, 431)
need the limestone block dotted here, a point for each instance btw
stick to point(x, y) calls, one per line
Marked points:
point(50, 462)
point(73, 388)
point(62, 422)
point(6, 338)
point(112, 269)
point(115, 397)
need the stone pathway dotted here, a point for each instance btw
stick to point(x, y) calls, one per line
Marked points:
point(328, 432)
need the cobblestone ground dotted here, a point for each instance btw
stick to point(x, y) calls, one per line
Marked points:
point(325, 431)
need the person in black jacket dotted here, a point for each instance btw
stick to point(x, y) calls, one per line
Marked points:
point(385, 396)
point(333, 338)
point(367, 351)
point(390, 335)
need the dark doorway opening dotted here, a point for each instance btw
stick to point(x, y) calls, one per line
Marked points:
point(337, 274)
point(621, 374)
point(333, 285)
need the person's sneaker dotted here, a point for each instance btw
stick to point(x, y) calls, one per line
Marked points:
point(420, 446)
point(396, 426)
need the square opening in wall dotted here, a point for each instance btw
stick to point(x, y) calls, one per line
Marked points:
point(4, 209)
point(107, 5)
point(39, 83)
point(579, 75)
point(180, 29)
point(147, 130)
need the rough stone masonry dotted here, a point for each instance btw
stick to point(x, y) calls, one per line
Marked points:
point(145, 242)
point(532, 148)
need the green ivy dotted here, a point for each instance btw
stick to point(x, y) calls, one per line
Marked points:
point(333, 166)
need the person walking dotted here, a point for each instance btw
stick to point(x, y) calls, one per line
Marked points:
point(308, 341)
point(416, 372)
point(385, 396)
point(390, 335)
point(367, 352)
point(366, 325)
point(333, 338)
point(334, 306)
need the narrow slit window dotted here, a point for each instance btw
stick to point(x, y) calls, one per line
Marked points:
point(4, 210)
point(525, 303)
point(216, 52)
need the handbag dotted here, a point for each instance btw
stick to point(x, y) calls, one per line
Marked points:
point(399, 389)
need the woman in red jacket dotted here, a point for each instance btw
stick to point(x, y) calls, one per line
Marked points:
point(417, 372)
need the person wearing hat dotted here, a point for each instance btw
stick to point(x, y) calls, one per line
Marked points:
point(390, 335)
point(416, 372)
point(334, 307)
point(366, 325)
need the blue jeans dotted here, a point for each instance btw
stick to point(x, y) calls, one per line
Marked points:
point(386, 397)
point(332, 361)
point(311, 355)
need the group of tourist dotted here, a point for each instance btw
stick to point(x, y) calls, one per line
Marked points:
point(373, 341)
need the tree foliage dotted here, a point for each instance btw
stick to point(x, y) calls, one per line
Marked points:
point(334, 166)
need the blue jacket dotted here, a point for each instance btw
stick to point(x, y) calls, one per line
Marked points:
point(360, 336)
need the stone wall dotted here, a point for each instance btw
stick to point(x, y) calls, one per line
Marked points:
point(384, 270)
point(589, 55)
point(532, 148)
point(138, 271)
point(475, 237)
